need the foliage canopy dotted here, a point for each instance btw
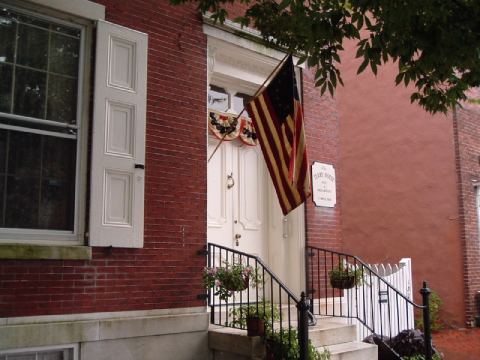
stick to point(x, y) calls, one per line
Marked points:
point(436, 43)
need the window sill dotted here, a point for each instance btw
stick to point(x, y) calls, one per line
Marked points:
point(44, 252)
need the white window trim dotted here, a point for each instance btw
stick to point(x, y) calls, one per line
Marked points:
point(82, 8)
point(59, 237)
point(74, 347)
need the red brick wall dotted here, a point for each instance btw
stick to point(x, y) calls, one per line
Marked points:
point(166, 272)
point(399, 185)
point(467, 151)
point(321, 124)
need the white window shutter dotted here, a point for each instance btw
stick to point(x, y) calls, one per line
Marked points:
point(118, 144)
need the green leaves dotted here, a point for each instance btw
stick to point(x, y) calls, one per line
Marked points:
point(436, 43)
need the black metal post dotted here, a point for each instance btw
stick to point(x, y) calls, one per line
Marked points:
point(303, 326)
point(425, 291)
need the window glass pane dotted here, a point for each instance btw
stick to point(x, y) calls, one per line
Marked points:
point(24, 154)
point(62, 99)
point(7, 34)
point(239, 102)
point(39, 68)
point(58, 184)
point(64, 52)
point(40, 181)
point(5, 86)
point(57, 355)
point(26, 19)
point(29, 93)
point(66, 30)
point(217, 98)
point(21, 357)
point(22, 195)
point(3, 151)
point(32, 47)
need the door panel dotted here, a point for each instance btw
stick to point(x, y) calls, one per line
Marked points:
point(219, 197)
point(236, 207)
point(250, 209)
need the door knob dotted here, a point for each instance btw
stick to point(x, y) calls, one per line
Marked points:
point(237, 237)
point(230, 181)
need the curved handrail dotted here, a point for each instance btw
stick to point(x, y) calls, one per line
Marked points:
point(267, 269)
point(360, 304)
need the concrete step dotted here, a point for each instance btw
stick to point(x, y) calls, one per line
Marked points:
point(329, 331)
point(354, 350)
point(332, 333)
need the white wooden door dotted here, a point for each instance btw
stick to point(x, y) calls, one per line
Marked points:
point(236, 201)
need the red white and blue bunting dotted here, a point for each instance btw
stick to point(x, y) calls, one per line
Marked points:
point(222, 123)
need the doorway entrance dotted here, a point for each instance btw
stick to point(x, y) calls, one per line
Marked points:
point(236, 202)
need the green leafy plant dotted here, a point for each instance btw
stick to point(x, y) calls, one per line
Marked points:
point(422, 357)
point(230, 278)
point(283, 345)
point(435, 303)
point(345, 276)
point(263, 310)
point(407, 33)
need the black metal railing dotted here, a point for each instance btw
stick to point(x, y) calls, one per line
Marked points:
point(384, 311)
point(268, 296)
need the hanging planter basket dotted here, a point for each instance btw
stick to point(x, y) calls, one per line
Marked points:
point(345, 282)
point(237, 286)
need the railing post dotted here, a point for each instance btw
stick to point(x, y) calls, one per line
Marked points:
point(425, 291)
point(303, 307)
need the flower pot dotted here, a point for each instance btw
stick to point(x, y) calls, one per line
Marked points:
point(345, 282)
point(255, 326)
point(231, 286)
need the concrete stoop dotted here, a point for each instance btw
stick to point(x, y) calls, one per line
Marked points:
point(330, 333)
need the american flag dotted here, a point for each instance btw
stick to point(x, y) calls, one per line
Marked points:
point(277, 116)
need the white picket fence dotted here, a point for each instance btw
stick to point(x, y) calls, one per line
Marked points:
point(380, 307)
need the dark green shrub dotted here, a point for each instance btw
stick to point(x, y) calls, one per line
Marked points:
point(435, 303)
point(283, 344)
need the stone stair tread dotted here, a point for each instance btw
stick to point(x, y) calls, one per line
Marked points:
point(347, 347)
point(324, 323)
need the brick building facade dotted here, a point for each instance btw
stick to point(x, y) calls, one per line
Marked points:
point(466, 124)
point(136, 301)
point(409, 186)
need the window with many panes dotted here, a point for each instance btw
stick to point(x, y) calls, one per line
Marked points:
point(224, 100)
point(55, 353)
point(40, 80)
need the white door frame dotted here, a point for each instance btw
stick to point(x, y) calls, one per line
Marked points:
point(234, 62)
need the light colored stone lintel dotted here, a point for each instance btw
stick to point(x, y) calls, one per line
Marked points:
point(44, 252)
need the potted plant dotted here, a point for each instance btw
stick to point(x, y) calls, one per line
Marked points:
point(256, 317)
point(283, 345)
point(229, 278)
point(345, 276)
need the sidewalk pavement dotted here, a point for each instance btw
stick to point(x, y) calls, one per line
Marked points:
point(458, 344)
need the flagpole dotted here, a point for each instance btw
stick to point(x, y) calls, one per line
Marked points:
point(254, 95)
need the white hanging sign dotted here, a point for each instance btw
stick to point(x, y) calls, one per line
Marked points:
point(323, 185)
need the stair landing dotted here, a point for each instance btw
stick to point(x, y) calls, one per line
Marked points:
point(334, 334)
